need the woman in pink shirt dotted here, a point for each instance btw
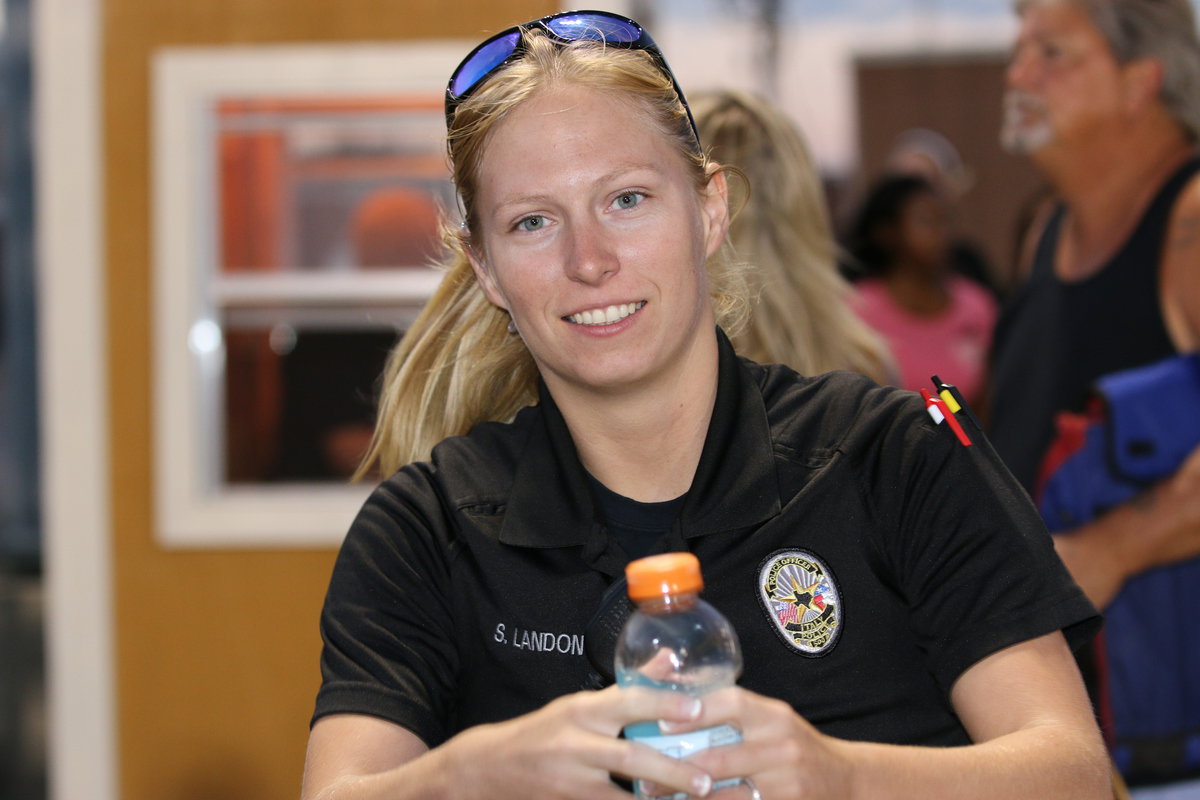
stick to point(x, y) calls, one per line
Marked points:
point(935, 321)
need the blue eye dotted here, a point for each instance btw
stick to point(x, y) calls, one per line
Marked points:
point(534, 223)
point(628, 199)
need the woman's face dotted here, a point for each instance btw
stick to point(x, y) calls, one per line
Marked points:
point(594, 238)
point(925, 232)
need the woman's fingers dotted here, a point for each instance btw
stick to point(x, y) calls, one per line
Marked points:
point(663, 774)
point(615, 707)
point(779, 751)
point(588, 724)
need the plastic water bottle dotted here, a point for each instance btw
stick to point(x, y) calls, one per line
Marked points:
point(674, 640)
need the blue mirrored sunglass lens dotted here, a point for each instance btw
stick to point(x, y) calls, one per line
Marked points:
point(594, 26)
point(490, 56)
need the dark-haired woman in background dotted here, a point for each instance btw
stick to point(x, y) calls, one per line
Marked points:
point(933, 320)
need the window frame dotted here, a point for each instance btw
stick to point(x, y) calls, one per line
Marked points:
point(194, 506)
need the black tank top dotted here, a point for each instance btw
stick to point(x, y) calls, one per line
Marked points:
point(1054, 339)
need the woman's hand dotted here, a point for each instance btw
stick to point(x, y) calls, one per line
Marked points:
point(781, 753)
point(570, 747)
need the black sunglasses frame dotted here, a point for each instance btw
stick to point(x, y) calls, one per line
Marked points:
point(643, 42)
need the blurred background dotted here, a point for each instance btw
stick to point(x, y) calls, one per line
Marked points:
point(200, 279)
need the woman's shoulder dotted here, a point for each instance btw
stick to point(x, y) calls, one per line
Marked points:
point(972, 299)
point(488, 450)
point(471, 466)
point(417, 510)
point(969, 289)
point(834, 408)
point(868, 292)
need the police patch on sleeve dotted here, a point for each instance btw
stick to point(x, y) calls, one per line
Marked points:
point(801, 597)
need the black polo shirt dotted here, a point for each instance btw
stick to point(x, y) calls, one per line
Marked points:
point(864, 556)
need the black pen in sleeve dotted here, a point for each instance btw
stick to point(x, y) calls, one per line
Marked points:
point(953, 398)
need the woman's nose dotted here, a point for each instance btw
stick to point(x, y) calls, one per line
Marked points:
point(592, 256)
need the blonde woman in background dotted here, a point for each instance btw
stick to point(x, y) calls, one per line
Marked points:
point(800, 315)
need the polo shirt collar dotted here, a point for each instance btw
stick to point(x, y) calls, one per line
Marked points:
point(735, 486)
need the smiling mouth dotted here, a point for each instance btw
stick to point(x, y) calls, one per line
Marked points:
point(605, 316)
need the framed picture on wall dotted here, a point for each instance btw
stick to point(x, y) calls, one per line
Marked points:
point(297, 197)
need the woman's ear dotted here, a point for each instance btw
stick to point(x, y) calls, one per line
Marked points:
point(487, 280)
point(714, 204)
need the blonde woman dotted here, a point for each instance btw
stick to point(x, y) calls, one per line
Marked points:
point(923, 605)
point(800, 315)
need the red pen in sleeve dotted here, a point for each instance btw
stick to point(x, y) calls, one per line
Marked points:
point(939, 411)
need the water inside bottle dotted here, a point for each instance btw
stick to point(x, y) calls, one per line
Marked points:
point(678, 745)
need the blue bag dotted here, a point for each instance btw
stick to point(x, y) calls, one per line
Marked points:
point(1146, 686)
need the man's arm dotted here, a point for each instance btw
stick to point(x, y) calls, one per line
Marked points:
point(1162, 525)
point(1179, 274)
point(1158, 527)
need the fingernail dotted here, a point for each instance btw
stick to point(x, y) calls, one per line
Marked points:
point(691, 712)
point(701, 785)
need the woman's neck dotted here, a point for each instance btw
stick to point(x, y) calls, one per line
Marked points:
point(919, 291)
point(645, 443)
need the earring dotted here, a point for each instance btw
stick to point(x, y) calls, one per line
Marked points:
point(512, 326)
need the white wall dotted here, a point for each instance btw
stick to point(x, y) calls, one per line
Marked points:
point(816, 84)
point(73, 390)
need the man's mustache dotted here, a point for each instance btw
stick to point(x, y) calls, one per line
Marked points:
point(1017, 101)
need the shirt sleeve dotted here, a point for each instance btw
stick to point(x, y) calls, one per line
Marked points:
point(389, 649)
point(970, 552)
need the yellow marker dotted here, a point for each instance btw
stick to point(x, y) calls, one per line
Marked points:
point(948, 399)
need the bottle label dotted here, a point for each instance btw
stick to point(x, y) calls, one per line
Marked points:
point(682, 745)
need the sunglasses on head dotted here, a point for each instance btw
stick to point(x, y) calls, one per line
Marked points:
point(568, 26)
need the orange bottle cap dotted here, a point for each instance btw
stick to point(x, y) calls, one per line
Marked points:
point(668, 573)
